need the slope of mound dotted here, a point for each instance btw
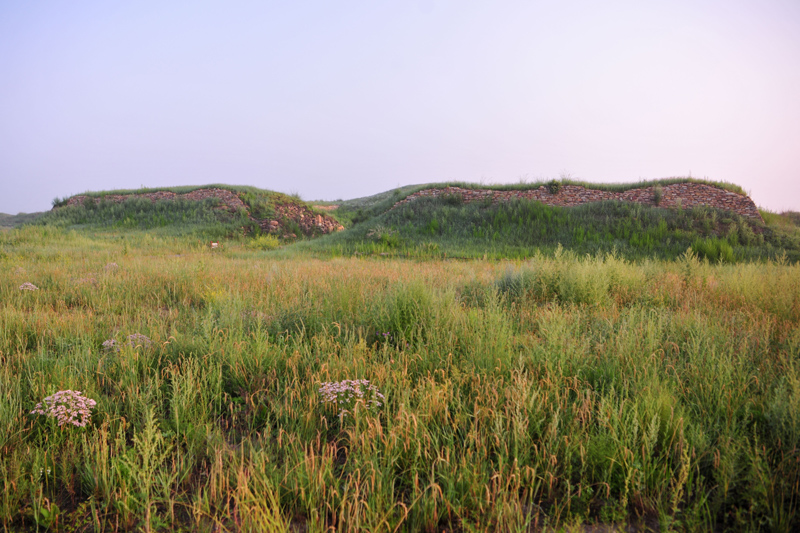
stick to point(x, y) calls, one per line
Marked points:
point(12, 221)
point(449, 226)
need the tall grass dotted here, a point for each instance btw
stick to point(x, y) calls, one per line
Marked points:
point(555, 391)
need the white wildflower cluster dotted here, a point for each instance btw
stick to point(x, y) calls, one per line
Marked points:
point(28, 286)
point(346, 394)
point(68, 407)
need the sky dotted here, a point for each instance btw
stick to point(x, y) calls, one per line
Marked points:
point(343, 99)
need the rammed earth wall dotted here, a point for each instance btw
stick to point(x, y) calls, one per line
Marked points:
point(684, 195)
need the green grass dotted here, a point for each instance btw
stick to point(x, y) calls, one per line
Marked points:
point(445, 227)
point(200, 219)
point(550, 392)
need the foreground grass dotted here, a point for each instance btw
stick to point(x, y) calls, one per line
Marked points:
point(556, 391)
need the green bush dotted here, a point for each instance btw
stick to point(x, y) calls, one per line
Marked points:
point(658, 194)
point(264, 242)
point(713, 249)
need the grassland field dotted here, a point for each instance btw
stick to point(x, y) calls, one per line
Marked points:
point(558, 391)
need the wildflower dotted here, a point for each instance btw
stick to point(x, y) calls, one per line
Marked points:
point(28, 286)
point(137, 339)
point(110, 345)
point(67, 406)
point(111, 266)
point(346, 394)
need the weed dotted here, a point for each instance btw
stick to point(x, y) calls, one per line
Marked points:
point(658, 194)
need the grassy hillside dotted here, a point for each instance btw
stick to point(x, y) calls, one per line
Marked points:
point(166, 217)
point(556, 392)
point(430, 227)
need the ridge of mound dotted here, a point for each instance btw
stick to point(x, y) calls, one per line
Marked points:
point(685, 195)
point(230, 200)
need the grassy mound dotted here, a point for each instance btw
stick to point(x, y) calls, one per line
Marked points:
point(247, 211)
point(446, 227)
point(361, 209)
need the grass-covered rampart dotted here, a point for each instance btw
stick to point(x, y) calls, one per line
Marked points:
point(448, 226)
point(204, 215)
point(554, 391)
point(361, 209)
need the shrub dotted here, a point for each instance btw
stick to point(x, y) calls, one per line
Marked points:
point(453, 199)
point(554, 187)
point(658, 194)
point(264, 242)
point(713, 249)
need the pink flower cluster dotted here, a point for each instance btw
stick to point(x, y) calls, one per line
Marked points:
point(346, 394)
point(28, 286)
point(68, 407)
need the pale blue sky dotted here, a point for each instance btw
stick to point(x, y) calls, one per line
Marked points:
point(339, 99)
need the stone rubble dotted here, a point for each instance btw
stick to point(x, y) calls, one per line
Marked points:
point(310, 223)
point(685, 195)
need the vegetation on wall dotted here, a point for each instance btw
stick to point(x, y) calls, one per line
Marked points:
point(435, 227)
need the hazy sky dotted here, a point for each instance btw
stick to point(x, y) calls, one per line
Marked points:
point(339, 99)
